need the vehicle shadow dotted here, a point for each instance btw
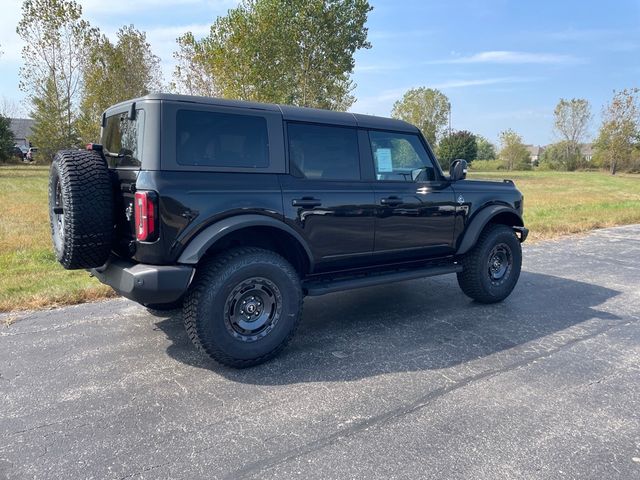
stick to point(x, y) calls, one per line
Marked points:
point(410, 326)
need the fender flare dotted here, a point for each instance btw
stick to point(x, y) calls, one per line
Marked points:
point(479, 221)
point(199, 245)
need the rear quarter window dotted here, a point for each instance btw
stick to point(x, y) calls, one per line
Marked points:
point(213, 139)
point(122, 140)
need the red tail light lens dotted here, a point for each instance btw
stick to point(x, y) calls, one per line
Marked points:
point(145, 216)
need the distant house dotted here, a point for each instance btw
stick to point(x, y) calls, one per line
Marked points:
point(535, 153)
point(586, 151)
point(22, 129)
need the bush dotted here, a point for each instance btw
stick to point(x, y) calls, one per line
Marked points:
point(487, 165)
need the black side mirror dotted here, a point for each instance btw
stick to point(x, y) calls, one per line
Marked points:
point(458, 170)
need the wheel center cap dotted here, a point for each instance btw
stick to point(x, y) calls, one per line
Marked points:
point(250, 308)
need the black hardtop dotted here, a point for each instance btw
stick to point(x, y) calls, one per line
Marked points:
point(288, 112)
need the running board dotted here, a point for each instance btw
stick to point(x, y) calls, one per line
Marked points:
point(314, 287)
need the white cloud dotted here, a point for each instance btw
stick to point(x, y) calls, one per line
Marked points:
point(511, 57)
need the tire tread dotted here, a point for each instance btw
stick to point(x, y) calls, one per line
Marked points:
point(209, 275)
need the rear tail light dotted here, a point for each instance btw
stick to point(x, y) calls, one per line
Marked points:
point(145, 216)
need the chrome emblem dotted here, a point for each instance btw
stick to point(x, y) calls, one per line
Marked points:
point(460, 199)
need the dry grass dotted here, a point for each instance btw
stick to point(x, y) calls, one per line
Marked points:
point(30, 276)
point(555, 204)
point(562, 203)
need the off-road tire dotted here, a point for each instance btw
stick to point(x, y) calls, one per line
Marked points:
point(80, 185)
point(208, 316)
point(476, 279)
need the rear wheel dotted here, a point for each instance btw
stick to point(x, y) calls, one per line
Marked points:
point(492, 268)
point(80, 209)
point(243, 306)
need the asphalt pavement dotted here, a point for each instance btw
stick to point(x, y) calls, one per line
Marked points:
point(410, 380)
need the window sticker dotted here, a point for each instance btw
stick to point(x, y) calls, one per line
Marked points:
point(383, 155)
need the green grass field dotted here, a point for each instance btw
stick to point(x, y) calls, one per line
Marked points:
point(30, 277)
point(556, 203)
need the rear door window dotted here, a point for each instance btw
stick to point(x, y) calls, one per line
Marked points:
point(123, 139)
point(213, 139)
point(324, 152)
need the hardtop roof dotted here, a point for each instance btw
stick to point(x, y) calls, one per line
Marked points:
point(288, 112)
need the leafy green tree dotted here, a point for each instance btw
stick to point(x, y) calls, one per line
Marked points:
point(460, 144)
point(50, 131)
point(427, 109)
point(571, 122)
point(7, 140)
point(486, 149)
point(56, 40)
point(513, 152)
point(619, 136)
point(298, 52)
point(561, 156)
point(114, 73)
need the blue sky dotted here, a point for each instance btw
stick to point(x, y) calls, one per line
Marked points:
point(502, 63)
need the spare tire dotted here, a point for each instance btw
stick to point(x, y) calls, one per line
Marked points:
point(81, 209)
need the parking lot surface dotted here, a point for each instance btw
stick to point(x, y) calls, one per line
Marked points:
point(410, 380)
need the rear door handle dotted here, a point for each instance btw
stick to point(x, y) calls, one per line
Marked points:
point(306, 202)
point(391, 201)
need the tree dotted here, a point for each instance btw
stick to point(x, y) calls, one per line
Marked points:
point(460, 144)
point(619, 134)
point(10, 108)
point(7, 140)
point(571, 122)
point(513, 152)
point(426, 108)
point(56, 39)
point(50, 132)
point(192, 75)
point(298, 52)
point(116, 72)
point(561, 156)
point(486, 149)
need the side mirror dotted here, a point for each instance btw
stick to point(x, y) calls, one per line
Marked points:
point(458, 170)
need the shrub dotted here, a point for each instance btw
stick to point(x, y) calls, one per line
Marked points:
point(487, 165)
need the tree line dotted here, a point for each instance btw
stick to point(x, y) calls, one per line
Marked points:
point(298, 52)
point(615, 148)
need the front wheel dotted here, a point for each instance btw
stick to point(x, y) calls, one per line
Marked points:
point(243, 306)
point(492, 268)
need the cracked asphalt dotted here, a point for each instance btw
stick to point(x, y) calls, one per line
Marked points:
point(411, 380)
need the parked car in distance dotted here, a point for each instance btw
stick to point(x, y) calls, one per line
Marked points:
point(17, 153)
point(234, 211)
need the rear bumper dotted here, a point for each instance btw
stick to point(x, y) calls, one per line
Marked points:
point(145, 283)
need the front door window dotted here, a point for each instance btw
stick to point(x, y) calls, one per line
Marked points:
point(401, 157)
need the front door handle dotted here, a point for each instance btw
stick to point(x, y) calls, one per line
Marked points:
point(391, 201)
point(306, 202)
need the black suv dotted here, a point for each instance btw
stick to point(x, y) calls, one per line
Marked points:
point(237, 210)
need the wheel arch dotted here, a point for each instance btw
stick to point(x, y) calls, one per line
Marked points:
point(494, 214)
point(250, 230)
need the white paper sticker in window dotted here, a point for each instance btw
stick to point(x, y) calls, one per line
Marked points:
point(383, 155)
